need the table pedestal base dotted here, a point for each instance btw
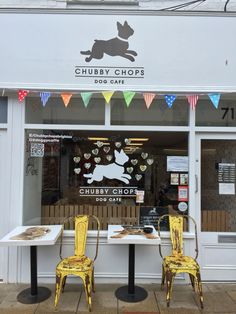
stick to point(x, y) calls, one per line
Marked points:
point(139, 294)
point(26, 297)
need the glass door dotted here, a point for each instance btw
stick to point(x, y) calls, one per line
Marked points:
point(216, 204)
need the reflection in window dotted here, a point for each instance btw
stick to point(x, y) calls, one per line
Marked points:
point(87, 172)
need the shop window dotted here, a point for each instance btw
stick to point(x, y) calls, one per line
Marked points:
point(56, 113)
point(224, 115)
point(3, 109)
point(157, 114)
point(122, 177)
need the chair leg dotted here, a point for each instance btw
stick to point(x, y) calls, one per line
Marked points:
point(192, 279)
point(199, 285)
point(59, 283)
point(169, 283)
point(163, 278)
point(93, 283)
point(87, 280)
point(63, 284)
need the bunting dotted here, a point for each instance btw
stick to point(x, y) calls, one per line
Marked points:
point(128, 96)
point(192, 100)
point(107, 96)
point(44, 97)
point(22, 94)
point(148, 97)
point(66, 98)
point(170, 100)
point(86, 98)
point(215, 98)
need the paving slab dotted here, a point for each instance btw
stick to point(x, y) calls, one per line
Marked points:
point(102, 301)
point(148, 305)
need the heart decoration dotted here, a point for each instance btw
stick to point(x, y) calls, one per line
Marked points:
point(144, 155)
point(99, 144)
point(150, 161)
point(97, 159)
point(87, 156)
point(77, 170)
point(130, 169)
point(127, 141)
point(95, 151)
point(87, 165)
point(118, 144)
point(134, 162)
point(106, 149)
point(77, 159)
point(138, 177)
point(109, 157)
point(143, 167)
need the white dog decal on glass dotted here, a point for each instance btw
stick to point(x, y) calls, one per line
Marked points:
point(111, 171)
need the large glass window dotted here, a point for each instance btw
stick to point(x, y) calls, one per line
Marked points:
point(56, 113)
point(3, 109)
point(157, 114)
point(99, 172)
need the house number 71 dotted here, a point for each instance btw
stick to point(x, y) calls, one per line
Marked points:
point(227, 112)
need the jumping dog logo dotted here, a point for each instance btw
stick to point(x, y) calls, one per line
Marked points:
point(117, 46)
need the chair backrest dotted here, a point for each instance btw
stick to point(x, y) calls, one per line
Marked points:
point(176, 224)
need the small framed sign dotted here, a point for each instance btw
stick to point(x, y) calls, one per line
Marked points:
point(183, 179)
point(182, 193)
point(174, 178)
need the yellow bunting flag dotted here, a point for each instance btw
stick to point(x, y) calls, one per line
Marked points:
point(66, 98)
point(107, 96)
point(148, 97)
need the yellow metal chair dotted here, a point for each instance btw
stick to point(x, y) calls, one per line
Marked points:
point(177, 262)
point(78, 264)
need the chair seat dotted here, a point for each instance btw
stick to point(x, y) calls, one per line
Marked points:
point(180, 262)
point(75, 264)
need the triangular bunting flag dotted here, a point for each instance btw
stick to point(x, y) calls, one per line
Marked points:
point(148, 97)
point(44, 97)
point(86, 98)
point(22, 94)
point(107, 96)
point(170, 100)
point(215, 98)
point(66, 98)
point(192, 100)
point(128, 97)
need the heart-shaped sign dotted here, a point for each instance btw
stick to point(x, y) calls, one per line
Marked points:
point(127, 141)
point(95, 151)
point(109, 157)
point(138, 177)
point(134, 162)
point(144, 155)
point(106, 149)
point(118, 144)
point(97, 159)
point(143, 167)
point(99, 144)
point(150, 161)
point(87, 165)
point(87, 156)
point(77, 170)
point(76, 159)
point(130, 169)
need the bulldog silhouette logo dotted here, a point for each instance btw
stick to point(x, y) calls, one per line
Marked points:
point(117, 46)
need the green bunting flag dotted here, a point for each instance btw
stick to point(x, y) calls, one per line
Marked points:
point(86, 98)
point(128, 96)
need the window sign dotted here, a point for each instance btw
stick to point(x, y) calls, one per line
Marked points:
point(182, 193)
point(177, 163)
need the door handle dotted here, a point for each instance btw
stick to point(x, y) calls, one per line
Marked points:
point(196, 183)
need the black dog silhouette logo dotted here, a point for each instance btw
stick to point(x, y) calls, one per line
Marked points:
point(117, 46)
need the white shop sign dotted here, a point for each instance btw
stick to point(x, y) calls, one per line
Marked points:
point(117, 52)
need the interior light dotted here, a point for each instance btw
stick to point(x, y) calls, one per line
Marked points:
point(135, 144)
point(98, 138)
point(144, 139)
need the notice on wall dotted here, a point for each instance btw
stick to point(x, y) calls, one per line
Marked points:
point(226, 178)
point(227, 188)
point(177, 163)
point(182, 193)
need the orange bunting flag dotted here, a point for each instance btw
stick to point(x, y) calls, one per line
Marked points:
point(192, 100)
point(22, 94)
point(148, 97)
point(66, 98)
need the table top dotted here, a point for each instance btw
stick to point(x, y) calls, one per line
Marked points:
point(24, 238)
point(131, 239)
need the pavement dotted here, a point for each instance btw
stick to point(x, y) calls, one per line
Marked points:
point(218, 298)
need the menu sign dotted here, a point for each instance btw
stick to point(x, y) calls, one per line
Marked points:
point(149, 215)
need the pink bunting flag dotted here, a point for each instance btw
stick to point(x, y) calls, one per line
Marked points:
point(148, 97)
point(66, 98)
point(22, 94)
point(192, 100)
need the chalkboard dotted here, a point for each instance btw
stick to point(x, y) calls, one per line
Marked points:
point(149, 215)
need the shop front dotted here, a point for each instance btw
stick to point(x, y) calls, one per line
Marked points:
point(110, 150)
